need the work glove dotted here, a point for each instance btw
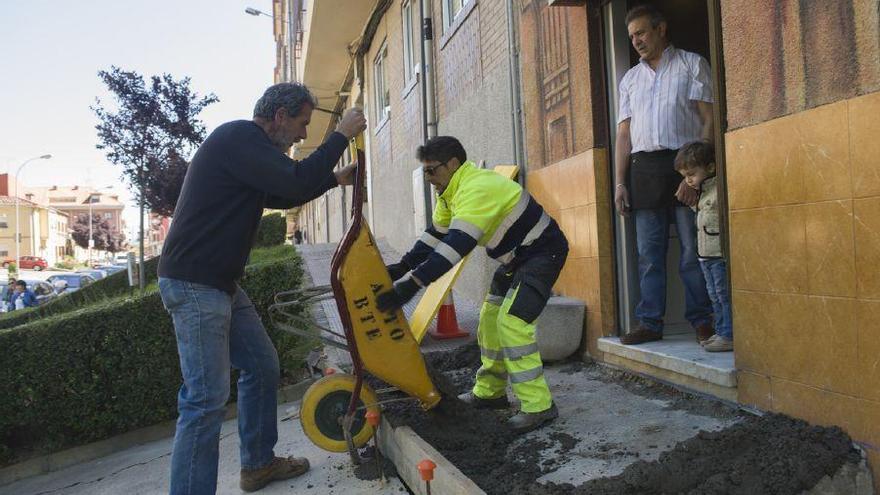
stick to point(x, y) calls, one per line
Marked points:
point(393, 299)
point(397, 270)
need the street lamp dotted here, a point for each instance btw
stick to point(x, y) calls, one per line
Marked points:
point(291, 27)
point(257, 12)
point(17, 228)
point(91, 239)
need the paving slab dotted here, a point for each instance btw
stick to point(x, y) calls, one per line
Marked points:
point(144, 470)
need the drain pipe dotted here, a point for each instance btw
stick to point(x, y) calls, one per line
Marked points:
point(429, 118)
point(515, 93)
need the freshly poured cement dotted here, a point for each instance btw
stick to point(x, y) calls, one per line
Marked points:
point(602, 442)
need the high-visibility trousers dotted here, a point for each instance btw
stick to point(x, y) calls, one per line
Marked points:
point(506, 334)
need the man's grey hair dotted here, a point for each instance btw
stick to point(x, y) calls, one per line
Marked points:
point(292, 96)
point(645, 10)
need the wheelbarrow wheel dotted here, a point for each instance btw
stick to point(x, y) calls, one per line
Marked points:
point(325, 404)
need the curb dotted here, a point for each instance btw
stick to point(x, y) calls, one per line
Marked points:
point(89, 452)
point(406, 449)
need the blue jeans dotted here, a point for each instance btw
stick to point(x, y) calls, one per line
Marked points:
point(217, 331)
point(652, 238)
point(715, 271)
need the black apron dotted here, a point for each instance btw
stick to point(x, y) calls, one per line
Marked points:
point(653, 180)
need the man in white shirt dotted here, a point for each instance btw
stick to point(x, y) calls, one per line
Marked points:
point(665, 102)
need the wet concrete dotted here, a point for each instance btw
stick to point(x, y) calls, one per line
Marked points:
point(619, 434)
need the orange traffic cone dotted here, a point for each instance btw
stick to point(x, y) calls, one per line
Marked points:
point(447, 323)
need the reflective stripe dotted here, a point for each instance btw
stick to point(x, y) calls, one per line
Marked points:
point(440, 228)
point(494, 300)
point(491, 354)
point(448, 252)
point(500, 376)
point(520, 351)
point(430, 240)
point(509, 220)
point(527, 376)
point(468, 228)
point(533, 234)
point(537, 230)
point(409, 276)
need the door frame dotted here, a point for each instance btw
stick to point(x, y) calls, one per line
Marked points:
point(617, 61)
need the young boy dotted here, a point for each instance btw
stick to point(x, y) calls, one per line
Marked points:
point(696, 163)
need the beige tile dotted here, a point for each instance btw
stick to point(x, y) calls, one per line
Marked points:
point(868, 326)
point(864, 129)
point(823, 149)
point(604, 234)
point(585, 179)
point(594, 331)
point(754, 337)
point(753, 390)
point(602, 180)
point(545, 190)
point(581, 245)
point(593, 228)
point(832, 361)
point(764, 167)
point(566, 183)
point(814, 341)
point(866, 215)
point(768, 249)
point(815, 405)
point(569, 225)
point(831, 265)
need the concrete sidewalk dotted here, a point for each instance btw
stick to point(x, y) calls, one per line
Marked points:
point(144, 470)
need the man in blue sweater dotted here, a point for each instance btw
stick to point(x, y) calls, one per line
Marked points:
point(240, 169)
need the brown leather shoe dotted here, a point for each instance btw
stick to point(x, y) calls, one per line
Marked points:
point(704, 332)
point(640, 335)
point(281, 468)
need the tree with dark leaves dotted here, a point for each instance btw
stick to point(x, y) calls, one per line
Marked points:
point(151, 132)
point(106, 239)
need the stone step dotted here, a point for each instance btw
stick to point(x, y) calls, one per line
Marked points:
point(679, 359)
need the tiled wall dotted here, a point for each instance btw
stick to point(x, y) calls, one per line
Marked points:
point(575, 192)
point(804, 193)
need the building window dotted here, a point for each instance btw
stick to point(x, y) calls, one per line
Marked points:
point(381, 95)
point(4, 253)
point(409, 41)
point(108, 216)
point(451, 9)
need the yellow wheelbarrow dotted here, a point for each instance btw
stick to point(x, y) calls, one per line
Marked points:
point(333, 411)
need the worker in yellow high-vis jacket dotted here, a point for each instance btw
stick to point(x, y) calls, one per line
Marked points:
point(480, 207)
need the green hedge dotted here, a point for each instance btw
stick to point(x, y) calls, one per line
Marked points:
point(272, 230)
point(109, 287)
point(110, 367)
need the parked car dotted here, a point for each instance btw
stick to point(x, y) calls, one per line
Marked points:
point(95, 273)
point(43, 291)
point(71, 282)
point(110, 269)
point(28, 262)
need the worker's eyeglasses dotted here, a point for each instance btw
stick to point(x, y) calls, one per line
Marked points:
point(432, 170)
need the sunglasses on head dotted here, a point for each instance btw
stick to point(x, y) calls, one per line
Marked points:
point(432, 170)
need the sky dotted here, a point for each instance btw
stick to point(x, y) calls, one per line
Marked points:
point(51, 52)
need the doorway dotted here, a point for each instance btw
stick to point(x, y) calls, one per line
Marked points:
point(693, 25)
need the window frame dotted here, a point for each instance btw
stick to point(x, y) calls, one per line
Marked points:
point(381, 93)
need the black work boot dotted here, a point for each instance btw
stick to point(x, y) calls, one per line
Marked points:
point(524, 422)
point(480, 403)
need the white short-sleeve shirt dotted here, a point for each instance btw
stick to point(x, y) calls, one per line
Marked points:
point(662, 104)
